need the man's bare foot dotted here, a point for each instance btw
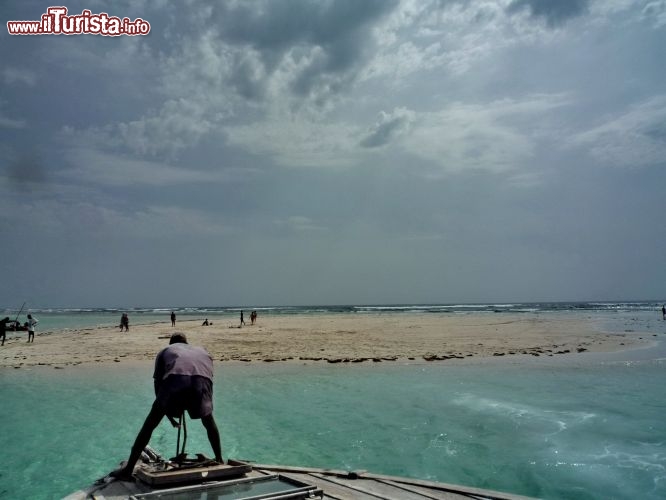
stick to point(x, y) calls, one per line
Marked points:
point(122, 474)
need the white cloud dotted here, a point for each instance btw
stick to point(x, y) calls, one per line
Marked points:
point(198, 69)
point(634, 138)
point(89, 165)
point(463, 137)
point(388, 126)
point(454, 36)
point(6, 122)
point(51, 217)
point(298, 141)
point(496, 136)
point(13, 76)
point(159, 221)
point(11, 123)
point(180, 124)
point(655, 11)
point(298, 223)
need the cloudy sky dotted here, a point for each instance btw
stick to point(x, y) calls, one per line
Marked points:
point(335, 152)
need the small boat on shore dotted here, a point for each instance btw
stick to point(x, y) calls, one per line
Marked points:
point(200, 478)
point(16, 326)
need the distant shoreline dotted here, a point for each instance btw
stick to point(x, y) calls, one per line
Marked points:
point(332, 339)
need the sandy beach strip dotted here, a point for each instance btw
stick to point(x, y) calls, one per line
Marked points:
point(328, 338)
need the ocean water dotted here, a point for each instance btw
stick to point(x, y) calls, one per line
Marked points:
point(55, 319)
point(586, 426)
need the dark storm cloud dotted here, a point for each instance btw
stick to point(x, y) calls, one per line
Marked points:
point(326, 41)
point(277, 26)
point(26, 168)
point(554, 12)
point(656, 131)
point(388, 127)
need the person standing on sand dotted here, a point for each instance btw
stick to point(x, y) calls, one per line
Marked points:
point(242, 320)
point(124, 322)
point(183, 381)
point(32, 322)
point(3, 329)
point(173, 318)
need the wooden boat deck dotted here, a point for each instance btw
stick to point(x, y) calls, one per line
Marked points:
point(327, 484)
point(362, 485)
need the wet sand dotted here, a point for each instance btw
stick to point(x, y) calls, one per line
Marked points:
point(329, 338)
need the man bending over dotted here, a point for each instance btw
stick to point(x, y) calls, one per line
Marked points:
point(183, 381)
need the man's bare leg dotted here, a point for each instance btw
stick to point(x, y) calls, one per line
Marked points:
point(142, 439)
point(213, 436)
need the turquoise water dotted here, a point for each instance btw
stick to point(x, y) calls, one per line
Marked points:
point(570, 428)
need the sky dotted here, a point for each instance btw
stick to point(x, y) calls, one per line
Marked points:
point(295, 152)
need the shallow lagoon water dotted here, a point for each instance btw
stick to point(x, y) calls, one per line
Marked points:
point(570, 427)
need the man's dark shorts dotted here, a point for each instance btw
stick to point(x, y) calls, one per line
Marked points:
point(184, 392)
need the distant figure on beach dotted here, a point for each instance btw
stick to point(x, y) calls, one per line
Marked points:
point(3, 329)
point(173, 318)
point(663, 312)
point(242, 320)
point(183, 381)
point(30, 325)
point(124, 322)
point(205, 323)
point(253, 317)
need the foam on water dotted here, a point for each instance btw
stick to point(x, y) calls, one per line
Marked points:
point(525, 416)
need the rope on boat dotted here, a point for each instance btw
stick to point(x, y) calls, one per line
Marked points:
point(181, 460)
point(181, 424)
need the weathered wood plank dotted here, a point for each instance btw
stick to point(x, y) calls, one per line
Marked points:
point(433, 485)
point(432, 488)
point(404, 492)
point(331, 488)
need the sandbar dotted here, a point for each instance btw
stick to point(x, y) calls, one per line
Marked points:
point(329, 338)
